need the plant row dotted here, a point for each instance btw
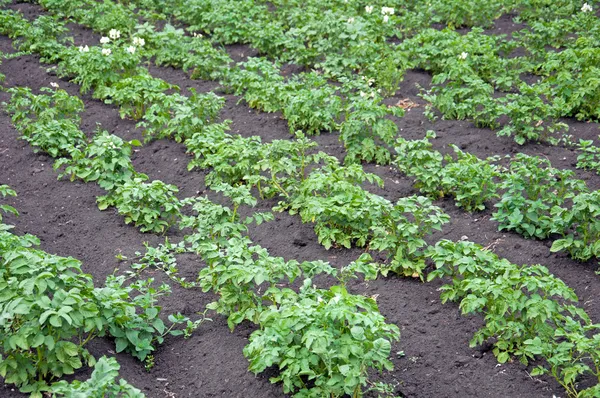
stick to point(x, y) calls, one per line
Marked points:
point(536, 200)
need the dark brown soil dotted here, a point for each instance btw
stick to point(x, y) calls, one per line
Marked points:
point(437, 360)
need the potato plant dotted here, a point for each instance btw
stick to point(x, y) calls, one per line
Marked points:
point(471, 181)
point(102, 383)
point(51, 311)
point(94, 67)
point(582, 230)
point(342, 211)
point(153, 207)
point(534, 192)
point(49, 122)
point(179, 117)
point(529, 313)
point(134, 94)
point(105, 160)
point(314, 343)
point(401, 233)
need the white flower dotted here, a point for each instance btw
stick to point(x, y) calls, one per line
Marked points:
point(139, 41)
point(369, 9)
point(196, 34)
point(387, 10)
point(350, 20)
point(362, 94)
point(84, 49)
point(131, 49)
point(55, 85)
point(587, 8)
point(114, 34)
point(106, 51)
point(104, 40)
point(463, 55)
point(386, 18)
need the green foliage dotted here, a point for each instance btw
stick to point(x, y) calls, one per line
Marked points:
point(331, 197)
point(5, 191)
point(531, 117)
point(46, 36)
point(12, 23)
point(49, 122)
point(49, 314)
point(519, 302)
point(582, 233)
point(100, 15)
point(365, 131)
point(135, 94)
point(401, 231)
point(313, 107)
point(327, 339)
point(260, 83)
point(102, 383)
point(26, 107)
point(105, 160)
point(589, 157)
point(533, 193)
point(418, 159)
point(572, 79)
point(286, 163)
point(232, 158)
point(179, 117)
point(138, 327)
point(98, 66)
point(171, 47)
point(151, 206)
point(51, 311)
point(470, 180)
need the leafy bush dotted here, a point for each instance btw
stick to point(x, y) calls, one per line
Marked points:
point(135, 94)
point(50, 312)
point(150, 206)
point(401, 230)
point(534, 191)
point(179, 117)
point(417, 158)
point(171, 47)
point(528, 312)
point(105, 160)
point(99, 66)
point(331, 197)
point(313, 107)
point(581, 221)
point(101, 384)
point(365, 131)
point(322, 341)
point(49, 122)
point(470, 180)
point(519, 302)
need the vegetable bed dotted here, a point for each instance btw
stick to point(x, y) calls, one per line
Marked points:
point(390, 199)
